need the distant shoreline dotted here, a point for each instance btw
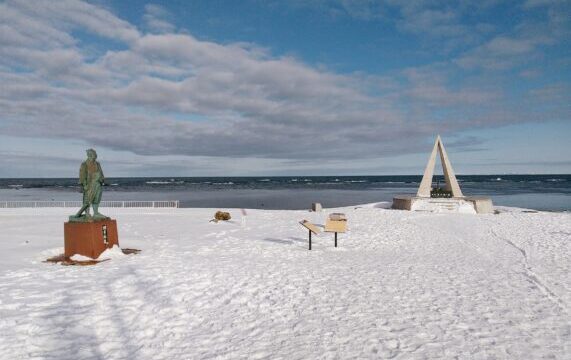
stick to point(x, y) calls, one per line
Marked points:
point(281, 199)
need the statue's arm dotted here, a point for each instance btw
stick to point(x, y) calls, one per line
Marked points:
point(101, 171)
point(83, 174)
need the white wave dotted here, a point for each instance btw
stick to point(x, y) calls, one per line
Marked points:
point(164, 182)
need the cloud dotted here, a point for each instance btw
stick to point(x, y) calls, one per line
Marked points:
point(530, 73)
point(428, 85)
point(501, 52)
point(53, 18)
point(417, 18)
point(164, 93)
point(157, 19)
point(434, 22)
point(546, 23)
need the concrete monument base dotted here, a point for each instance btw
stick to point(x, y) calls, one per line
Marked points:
point(90, 238)
point(482, 204)
point(466, 205)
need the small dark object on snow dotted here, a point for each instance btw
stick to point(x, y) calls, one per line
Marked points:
point(222, 215)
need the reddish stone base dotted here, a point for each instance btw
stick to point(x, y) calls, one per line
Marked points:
point(90, 238)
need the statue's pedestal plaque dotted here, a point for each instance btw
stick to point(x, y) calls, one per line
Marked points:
point(90, 238)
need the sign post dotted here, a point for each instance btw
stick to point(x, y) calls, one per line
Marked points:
point(312, 229)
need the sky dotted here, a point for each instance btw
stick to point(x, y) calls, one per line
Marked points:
point(262, 88)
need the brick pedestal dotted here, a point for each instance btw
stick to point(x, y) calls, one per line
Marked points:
point(90, 238)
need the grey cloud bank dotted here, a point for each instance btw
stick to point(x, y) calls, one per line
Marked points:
point(169, 93)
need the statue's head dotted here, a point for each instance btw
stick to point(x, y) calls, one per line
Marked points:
point(91, 154)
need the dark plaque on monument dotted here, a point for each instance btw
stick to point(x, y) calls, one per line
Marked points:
point(85, 233)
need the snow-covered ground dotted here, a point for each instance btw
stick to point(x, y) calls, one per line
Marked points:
point(401, 285)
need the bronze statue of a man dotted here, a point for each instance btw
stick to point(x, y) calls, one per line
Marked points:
point(91, 180)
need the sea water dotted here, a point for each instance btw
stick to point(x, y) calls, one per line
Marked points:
point(540, 192)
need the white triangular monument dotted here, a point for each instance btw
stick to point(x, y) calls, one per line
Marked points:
point(449, 177)
point(457, 203)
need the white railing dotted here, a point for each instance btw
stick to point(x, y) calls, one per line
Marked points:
point(78, 204)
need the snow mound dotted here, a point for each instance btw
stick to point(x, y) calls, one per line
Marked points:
point(78, 257)
point(113, 253)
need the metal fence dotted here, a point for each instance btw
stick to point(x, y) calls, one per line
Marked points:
point(78, 204)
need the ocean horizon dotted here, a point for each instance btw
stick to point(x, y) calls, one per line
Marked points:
point(546, 192)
